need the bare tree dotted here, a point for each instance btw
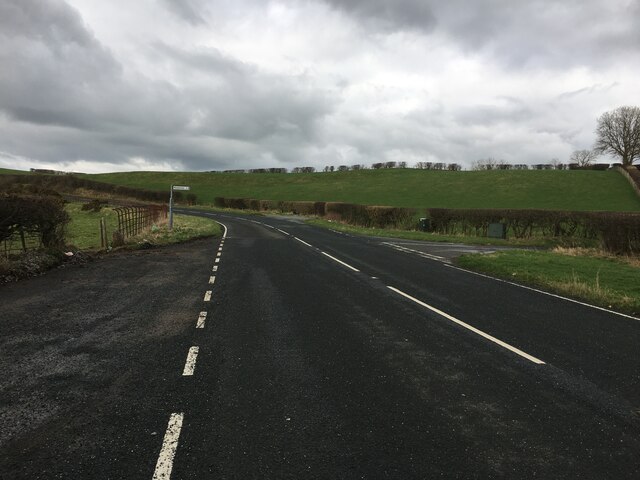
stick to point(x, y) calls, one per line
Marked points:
point(583, 157)
point(618, 133)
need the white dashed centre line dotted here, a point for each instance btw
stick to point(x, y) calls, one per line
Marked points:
point(302, 241)
point(217, 260)
point(340, 262)
point(164, 464)
point(207, 296)
point(282, 231)
point(219, 254)
point(531, 358)
point(190, 364)
point(215, 268)
point(201, 319)
point(212, 279)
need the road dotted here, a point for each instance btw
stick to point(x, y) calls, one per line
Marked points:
point(288, 351)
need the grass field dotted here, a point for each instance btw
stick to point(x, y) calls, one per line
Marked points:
point(592, 276)
point(83, 232)
point(547, 189)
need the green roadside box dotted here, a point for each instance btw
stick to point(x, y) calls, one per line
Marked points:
point(424, 225)
point(497, 230)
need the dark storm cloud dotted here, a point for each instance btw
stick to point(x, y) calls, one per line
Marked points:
point(542, 33)
point(64, 79)
point(386, 15)
point(191, 11)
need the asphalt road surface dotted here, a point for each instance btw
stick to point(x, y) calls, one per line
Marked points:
point(288, 351)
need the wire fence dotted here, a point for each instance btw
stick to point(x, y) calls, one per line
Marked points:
point(20, 241)
point(135, 220)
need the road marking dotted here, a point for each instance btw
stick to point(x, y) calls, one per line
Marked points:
point(201, 319)
point(215, 268)
point(217, 260)
point(224, 235)
point(212, 279)
point(282, 231)
point(190, 364)
point(219, 254)
point(340, 262)
point(302, 241)
point(417, 252)
point(220, 249)
point(207, 296)
point(164, 465)
point(469, 327)
point(545, 293)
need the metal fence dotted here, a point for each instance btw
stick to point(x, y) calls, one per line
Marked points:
point(135, 220)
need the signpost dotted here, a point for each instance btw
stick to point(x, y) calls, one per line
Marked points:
point(174, 188)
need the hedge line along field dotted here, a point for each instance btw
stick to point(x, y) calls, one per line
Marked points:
point(542, 189)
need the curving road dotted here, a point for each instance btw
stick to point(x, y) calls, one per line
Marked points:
point(288, 351)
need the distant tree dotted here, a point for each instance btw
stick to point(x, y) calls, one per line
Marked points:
point(424, 165)
point(454, 167)
point(343, 168)
point(376, 166)
point(332, 168)
point(357, 166)
point(618, 133)
point(488, 163)
point(583, 157)
point(402, 164)
point(390, 165)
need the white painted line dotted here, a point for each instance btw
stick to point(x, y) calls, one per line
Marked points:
point(215, 268)
point(469, 327)
point(546, 293)
point(212, 279)
point(224, 235)
point(417, 252)
point(282, 231)
point(219, 254)
point(190, 364)
point(207, 296)
point(164, 465)
point(302, 241)
point(201, 319)
point(217, 260)
point(220, 249)
point(340, 262)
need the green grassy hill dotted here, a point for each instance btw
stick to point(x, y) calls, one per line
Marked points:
point(548, 189)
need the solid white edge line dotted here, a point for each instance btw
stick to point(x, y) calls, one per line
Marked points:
point(164, 465)
point(340, 262)
point(201, 319)
point(207, 296)
point(545, 293)
point(302, 241)
point(190, 364)
point(212, 279)
point(531, 358)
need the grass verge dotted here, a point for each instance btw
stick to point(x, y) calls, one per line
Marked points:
point(433, 237)
point(83, 232)
point(588, 275)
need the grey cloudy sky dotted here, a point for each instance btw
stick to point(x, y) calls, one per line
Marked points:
point(94, 85)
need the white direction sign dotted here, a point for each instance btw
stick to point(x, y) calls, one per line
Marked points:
point(181, 187)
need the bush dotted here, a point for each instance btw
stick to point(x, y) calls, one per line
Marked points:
point(618, 232)
point(43, 216)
